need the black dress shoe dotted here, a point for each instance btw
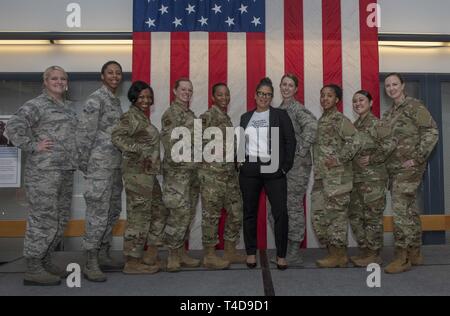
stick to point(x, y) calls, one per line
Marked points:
point(251, 265)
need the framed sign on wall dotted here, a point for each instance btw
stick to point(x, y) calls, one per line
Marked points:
point(10, 159)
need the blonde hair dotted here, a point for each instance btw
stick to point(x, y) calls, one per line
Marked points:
point(50, 69)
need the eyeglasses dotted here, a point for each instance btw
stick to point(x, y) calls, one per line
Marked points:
point(264, 95)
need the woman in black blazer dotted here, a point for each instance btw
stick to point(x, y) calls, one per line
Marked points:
point(269, 154)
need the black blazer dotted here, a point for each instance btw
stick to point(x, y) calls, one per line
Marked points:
point(277, 118)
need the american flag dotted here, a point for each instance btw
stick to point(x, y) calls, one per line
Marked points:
point(241, 41)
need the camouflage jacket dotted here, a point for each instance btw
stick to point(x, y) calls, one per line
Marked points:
point(177, 115)
point(100, 114)
point(415, 131)
point(377, 143)
point(45, 118)
point(138, 140)
point(305, 126)
point(336, 138)
point(215, 117)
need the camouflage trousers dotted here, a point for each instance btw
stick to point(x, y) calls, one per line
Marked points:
point(146, 213)
point(367, 204)
point(103, 206)
point(297, 184)
point(407, 224)
point(220, 190)
point(180, 196)
point(49, 194)
point(330, 213)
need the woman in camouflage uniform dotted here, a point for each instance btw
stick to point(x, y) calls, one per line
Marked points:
point(100, 162)
point(44, 128)
point(368, 198)
point(336, 144)
point(219, 187)
point(181, 187)
point(416, 134)
point(138, 140)
point(305, 126)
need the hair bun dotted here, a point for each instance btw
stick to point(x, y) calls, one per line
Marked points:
point(266, 80)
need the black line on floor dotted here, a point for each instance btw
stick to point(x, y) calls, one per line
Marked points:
point(266, 275)
point(12, 261)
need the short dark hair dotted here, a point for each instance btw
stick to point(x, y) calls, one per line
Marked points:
point(136, 88)
point(182, 79)
point(396, 74)
point(265, 82)
point(364, 93)
point(292, 77)
point(217, 85)
point(111, 62)
point(337, 90)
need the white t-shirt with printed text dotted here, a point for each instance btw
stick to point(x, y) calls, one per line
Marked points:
point(257, 135)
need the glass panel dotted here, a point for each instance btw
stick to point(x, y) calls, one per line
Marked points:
point(15, 93)
point(445, 96)
point(413, 90)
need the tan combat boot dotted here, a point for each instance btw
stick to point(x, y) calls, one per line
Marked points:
point(187, 261)
point(372, 256)
point(91, 269)
point(151, 256)
point(231, 254)
point(173, 261)
point(293, 256)
point(362, 253)
point(400, 263)
point(137, 266)
point(415, 256)
point(337, 258)
point(106, 262)
point(211, 260)
point(50, 267)
point(37, 275)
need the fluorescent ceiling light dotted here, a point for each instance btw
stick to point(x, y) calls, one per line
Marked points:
point(66, 42)
point(413, 44)
point(24, 42)
point(92, 42)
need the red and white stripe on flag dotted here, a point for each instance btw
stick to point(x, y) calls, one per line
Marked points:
point(322, 42)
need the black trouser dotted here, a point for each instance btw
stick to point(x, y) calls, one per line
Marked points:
point(276, 190)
